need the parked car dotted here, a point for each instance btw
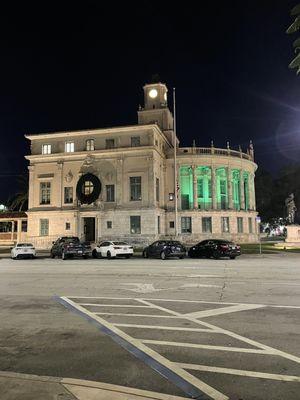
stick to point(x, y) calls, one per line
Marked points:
point(215, 248)
point(165, 249)
point(70, 246)
point(23, 250)
point(113, 249)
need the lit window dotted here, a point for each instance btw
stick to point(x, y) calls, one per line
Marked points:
point(109, 143)
point(110, 193)
point(87, 187)
point(69, 147)
point(44, 227)
point(225, 224)
point(90, 145)
point(46, 149)
point(240, 225)
point(24, 226)
point(45, 192)
point(206, 225)
point(135, 188)
point(68, 195)
point(135, 141)
point(135, 224)
point(186, 225)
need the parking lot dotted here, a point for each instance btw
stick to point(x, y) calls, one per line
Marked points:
point(209, 329)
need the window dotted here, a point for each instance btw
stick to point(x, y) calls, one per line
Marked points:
point(135, 188)
point(158, 224)
point(69, 147)
point(206, 225)
point(135, 141)
point(24, 226)
point(157, 189)
point(109, 224)
point(172, 224)
point(90, 145)
point(45, 192)
point(87, 188)
point(186, 225)
point(68, 226)
point(135, 224)
point(44, 227)
point(225, 224)
point(46, 149)
point(250, 225)
point(5, 226)
point(110, 192)
point(68, 199)
point(240, 224)
point(109, 143)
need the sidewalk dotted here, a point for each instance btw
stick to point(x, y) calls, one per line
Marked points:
point(15, 386)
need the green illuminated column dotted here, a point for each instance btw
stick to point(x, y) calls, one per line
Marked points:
point(213, 188)
point(236, 189)
point(229, 188)
point(246, 190)
point(195, 194)
point(242, 191)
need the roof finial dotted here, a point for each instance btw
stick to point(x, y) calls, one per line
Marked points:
point(251, 150)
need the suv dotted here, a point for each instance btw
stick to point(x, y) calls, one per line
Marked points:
point(70, 246)
point(165, 249)
point(215, 248)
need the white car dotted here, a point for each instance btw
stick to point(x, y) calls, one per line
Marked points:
point(23, 250)
point(113, 249)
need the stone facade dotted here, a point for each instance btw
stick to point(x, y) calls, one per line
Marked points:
point(132, 169)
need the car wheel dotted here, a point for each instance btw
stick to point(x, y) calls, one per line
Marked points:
point(216, 255)
point(163, 255)
point(108, 254)
point(145, 254)
point(85, 256)
point(95, 254)
point(63, 256)
point(232, 257)
point(181, 257)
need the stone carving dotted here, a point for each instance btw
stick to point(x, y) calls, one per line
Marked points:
point(69, 177)
point(109, 176)
point(88, 165)
point(290, 208)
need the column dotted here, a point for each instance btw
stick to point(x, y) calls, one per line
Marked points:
point(178, 189)
point(213, 188)
point(229, 188)
point(242, 192)
point(59, 181)
point(253, 192)
point(195, 191)
point(12, 230)
point(19, 226)
point(31, 187)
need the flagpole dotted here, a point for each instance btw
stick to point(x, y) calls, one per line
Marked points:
point(175, 164)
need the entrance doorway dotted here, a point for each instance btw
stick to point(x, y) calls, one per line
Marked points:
point(89, 229)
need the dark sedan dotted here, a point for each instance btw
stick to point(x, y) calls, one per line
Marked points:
point(165, 249)
point(215, 248)
point(70, 246)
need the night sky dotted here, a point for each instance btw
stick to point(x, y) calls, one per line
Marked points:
point(66, 66)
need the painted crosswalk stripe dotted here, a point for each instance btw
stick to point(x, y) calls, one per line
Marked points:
point(170, 328)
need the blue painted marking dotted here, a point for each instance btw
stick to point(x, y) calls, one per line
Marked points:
point(185, 386)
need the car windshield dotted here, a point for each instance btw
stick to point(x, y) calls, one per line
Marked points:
point(24, 245)
point(70, 239)
point(173, 243)
point(121, 243)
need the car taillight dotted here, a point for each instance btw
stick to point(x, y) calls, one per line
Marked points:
point(117, 248)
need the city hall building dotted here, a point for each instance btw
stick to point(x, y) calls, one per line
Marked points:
point(118, 183)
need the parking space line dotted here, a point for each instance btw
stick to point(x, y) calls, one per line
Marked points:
point(170, 328)
point(203, 346)
point(223, 310)
point(139, 315)
point(191, 385)
point(230, 371)
point(113, 305)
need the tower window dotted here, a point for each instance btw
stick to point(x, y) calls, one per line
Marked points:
point(45, 192)
point(46, 149)
point(90, 145)
point(69, 147)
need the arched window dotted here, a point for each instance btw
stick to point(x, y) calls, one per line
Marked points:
point(221, 189)
point(186, 188)
point(236, 194)
point(90, 145)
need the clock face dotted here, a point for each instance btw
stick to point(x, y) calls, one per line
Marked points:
point(153, 93)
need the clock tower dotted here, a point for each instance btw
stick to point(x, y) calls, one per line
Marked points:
point(156, 109)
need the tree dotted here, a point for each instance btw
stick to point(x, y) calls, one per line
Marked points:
point(19, 201)
point(293, 28)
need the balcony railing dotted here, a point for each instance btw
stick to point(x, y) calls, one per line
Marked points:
point(212, 151)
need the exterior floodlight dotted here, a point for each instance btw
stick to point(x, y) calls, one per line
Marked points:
point(171, 196)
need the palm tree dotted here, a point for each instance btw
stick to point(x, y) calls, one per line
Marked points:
point(19, 201)
point(294, 27)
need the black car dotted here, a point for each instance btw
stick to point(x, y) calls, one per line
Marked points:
point(215, 248)
point(165, 249)
point(70, 246)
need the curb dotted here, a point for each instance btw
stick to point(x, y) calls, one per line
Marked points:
point(88, 390)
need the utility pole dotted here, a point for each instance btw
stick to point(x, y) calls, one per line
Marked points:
point(175, 165)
